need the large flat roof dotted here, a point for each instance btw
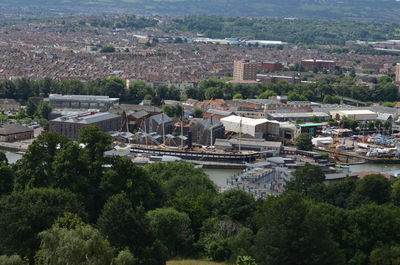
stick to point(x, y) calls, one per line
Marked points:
point(244, 120)
point(318, 61)
point(87, 117)
point(299, 114)
point(357, 112)
point(81, 97)
point(8, 129)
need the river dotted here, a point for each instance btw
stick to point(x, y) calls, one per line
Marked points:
point(219, 176)
point(12, 157)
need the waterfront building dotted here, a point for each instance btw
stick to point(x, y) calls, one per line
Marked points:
point(258, 128)
point(15, 132)
point(204, 130)
point(296, 116)
point(360, 115)
point(7, 104)
point(104, 103)
point(161, 124)
point(70, 126)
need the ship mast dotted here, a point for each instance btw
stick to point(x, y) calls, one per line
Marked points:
point(163, 127)
point(240, 133)
point(182, 114)
point(145, 131)
point(211, 130)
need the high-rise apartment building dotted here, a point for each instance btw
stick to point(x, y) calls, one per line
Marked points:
point(245, 70)
point(397, 80)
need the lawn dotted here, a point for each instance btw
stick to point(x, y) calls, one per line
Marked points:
point(193, 262)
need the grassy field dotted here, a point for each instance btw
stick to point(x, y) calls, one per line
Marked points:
point(193, 262)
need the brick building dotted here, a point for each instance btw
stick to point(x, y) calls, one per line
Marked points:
point(245, 70)
point(8, 104)
point(272, 66)
point(15, 132)
point(104, 103)
point(70, 126)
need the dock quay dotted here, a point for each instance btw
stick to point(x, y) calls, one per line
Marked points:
point(12, 147)
point(360, 158)
point(261, 182)
point(217, 165)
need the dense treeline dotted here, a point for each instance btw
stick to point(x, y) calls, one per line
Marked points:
point(327, 90)
point(23, 88)
point(65, 204)
point(128, 22)
point(380, 10)
point(297, 31)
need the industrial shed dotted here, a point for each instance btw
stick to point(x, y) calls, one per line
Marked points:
point(254, 127)
point(357, 115)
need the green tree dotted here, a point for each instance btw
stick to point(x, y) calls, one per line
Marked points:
point(125, 176)
point(107, 49)
point(236, 204)
point(96, 142)
point(71, 170)
point(3, 158)
point(293, 96)
point(314, 119)
point(214, 93)
point(374, 187)
point(30, 108)
point(35, 167)
point(367, 228)
point(294, 233)
point(29, 212)
point(172, 228)
point(385, 255)
point(304, 178)
point(126, 226)
point(7, 178)
point(395, 195)
point(43, 110)
point(12, 260)
point(125, 257)
point(266, 94)
point(303, 142)
point(237, 96)
point(245, 260)
point(82, 245)
point(197, 113)
point(114, 87)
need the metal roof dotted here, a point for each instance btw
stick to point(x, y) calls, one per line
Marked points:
point(298, 114)
point(8, 129)
point(244, 120)
point(87, 118)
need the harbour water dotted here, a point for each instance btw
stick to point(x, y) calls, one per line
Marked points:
point(219, 176)
point(12, 157)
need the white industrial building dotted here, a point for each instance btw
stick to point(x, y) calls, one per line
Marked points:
point(255, 127)
point(357, 115)
point(322, 141)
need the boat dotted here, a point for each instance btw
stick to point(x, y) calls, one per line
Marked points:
point(199, 154)
point(191, 152)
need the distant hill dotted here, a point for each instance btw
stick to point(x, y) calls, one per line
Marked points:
point(388, 10)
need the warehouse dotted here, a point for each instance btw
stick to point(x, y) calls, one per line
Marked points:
point(299, 116)
point(254, 127)
point(245, 144)
point(357, 115)
point(70, 126)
